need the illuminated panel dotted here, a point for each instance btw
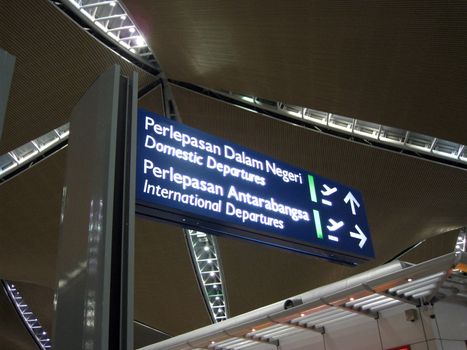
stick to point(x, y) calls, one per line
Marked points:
point(203, 249)
point(32, 151)
point(112, 19)
point(206, 183)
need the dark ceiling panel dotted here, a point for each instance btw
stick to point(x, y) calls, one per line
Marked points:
point(432, 248)
point(152, 101)
point(167, 296)
point(29, 217)
point(144, 335)
point(56, 61)
point(398, 63)
point(407, 199)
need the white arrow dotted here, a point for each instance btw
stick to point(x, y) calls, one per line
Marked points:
point(353, 202)
point(328, 191)
point(334, 225)
point(360, 235)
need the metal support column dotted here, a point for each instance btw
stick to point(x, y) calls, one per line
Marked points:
point(94, 298)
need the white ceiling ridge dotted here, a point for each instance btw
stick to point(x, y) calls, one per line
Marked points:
point(334, 295)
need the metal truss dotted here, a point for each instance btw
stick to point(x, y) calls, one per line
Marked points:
point(205, 256)
point(377, 135)
point(21, 158)
point(110, 22)
point(27, 316)
point(203, 248)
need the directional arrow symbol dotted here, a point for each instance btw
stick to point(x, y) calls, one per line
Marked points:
point(353, 202)
point(334, 225)
point(360, 235)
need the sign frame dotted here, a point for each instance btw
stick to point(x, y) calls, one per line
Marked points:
point(190, 220)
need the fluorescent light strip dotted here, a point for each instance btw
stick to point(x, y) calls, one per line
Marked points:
point(112, 19)
point(204, 252)
point(461, 243)
point(11, 160)
point(28, 317)
point(372, 132)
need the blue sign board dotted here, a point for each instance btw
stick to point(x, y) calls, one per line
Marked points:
point(204, 182)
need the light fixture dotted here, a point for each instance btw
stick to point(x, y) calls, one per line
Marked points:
point(205, 255)
point(140, 41)
point(116, 24)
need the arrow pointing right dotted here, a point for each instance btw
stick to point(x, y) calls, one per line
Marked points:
point(353, 202)
point(360, 235)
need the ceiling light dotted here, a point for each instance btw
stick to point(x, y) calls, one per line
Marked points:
point(140, 41)
point(212, 274)
point(113, 3)
point(209, 261)
point(352, 299)
point(206, 248)
point(409, 280)
point(131, 30)
point(123, 17)
point(302, 315)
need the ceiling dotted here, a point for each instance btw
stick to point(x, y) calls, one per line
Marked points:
point(395, 63)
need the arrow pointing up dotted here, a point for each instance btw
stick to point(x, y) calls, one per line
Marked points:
point(360, 235)
point(353, 202)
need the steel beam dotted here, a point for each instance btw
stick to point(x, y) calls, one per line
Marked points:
point(94, 298)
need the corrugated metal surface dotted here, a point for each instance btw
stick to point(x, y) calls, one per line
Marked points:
point(56, 61)
point(397, 63)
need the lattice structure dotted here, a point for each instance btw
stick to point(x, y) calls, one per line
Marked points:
point(28, 317)
point(204, 251)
